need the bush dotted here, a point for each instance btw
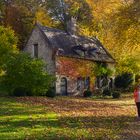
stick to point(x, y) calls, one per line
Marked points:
point(124, 81)
point(98, 92)
point(21, 92)
point(28, 73)
point(106, 92)
point(87, 93)
point(51, 93)
point(116, 94)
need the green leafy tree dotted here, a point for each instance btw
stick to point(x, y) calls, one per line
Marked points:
point(24, 72)
point(102, 70)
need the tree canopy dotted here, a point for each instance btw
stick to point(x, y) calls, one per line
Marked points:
point(115, 22)
point(8, 44)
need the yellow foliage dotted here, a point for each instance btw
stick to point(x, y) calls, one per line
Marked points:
point(43, 17)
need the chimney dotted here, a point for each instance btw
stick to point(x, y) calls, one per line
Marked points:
point(71, 26)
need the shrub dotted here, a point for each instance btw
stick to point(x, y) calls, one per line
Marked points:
point(87, 93)
point(101, 69)
point(21, 92)
point(124, 81)
point(28, 73)
point(98, 92)
point(51, 92)
point(116, 94)
point(106, 92)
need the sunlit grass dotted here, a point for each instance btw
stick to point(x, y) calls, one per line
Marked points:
point(65, 118)
point(19, 120)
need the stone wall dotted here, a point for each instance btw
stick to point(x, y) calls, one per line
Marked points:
point(71, 85)
point(44, 49)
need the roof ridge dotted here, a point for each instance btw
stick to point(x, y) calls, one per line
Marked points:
point(42, 27)
point(56, 29)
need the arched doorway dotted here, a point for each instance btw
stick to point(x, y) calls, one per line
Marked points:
point(64, 86)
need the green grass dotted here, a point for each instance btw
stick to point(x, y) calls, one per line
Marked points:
point(64, 118)
point(23, 121)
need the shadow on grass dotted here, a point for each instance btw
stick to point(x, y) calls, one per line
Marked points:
point(24, 121)
point(70, 127)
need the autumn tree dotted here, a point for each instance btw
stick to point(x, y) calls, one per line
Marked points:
point(43, 17)
point(20, 20)
point(62, 10)
point(20, 16)
point(126, 34)
point(114, 22)
point(118, 28)
point(8, 42)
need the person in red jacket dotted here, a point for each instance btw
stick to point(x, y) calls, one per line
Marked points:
point(137, 99)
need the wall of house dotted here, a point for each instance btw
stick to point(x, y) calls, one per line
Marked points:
point(44, 49)
point(73, 69)
point(71, 85)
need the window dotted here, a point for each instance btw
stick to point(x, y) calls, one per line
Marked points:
point(83, 83)
point(101, 81)
point(79, 79)
point(79, 50)
point(35, 50)
point(87, 83)
point(81, 53)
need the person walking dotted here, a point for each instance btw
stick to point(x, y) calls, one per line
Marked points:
point(137, 99)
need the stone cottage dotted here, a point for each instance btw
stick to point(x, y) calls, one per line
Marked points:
point(69, 57)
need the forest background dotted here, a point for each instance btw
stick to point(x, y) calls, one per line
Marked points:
point(116, 23)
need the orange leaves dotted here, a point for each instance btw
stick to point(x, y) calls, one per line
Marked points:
point(72, 106)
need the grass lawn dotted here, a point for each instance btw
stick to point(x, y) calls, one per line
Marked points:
point(68, 118)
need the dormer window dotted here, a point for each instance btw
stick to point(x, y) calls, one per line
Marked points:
point(79, 50)
point(92, 51)
point(80, 53)
point(35, 50)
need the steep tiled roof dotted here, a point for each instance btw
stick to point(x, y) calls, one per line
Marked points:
point(76, 46)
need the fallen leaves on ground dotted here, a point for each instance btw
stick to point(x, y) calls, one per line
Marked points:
point(111, 119)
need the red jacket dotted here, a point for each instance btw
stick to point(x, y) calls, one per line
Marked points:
point(137, 95)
